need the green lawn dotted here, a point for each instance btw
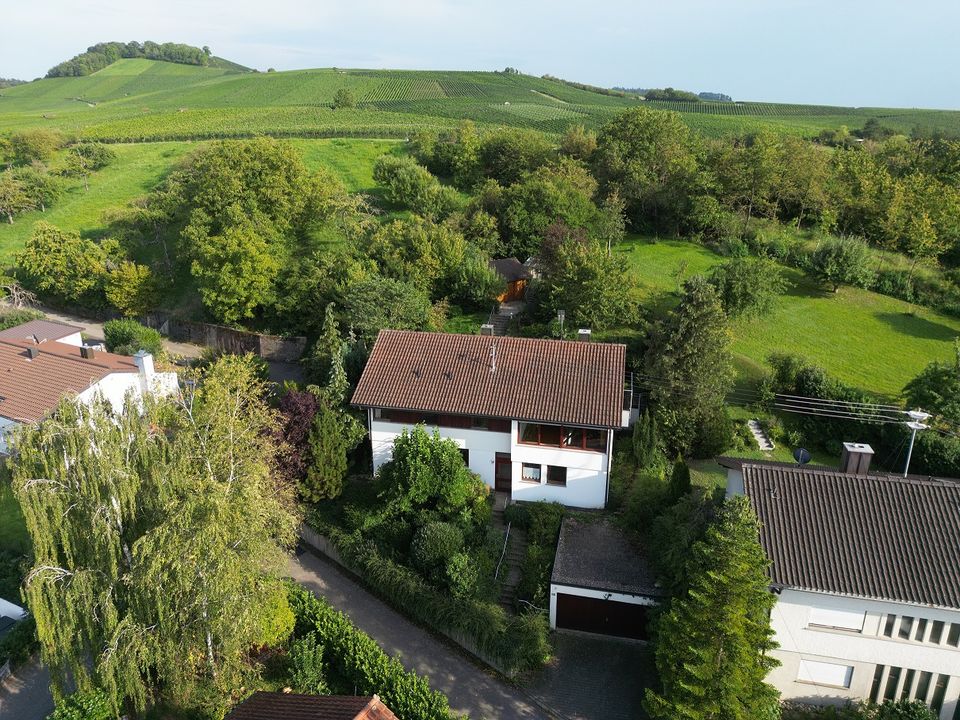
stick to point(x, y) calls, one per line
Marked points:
point(13, 532)
point(870, 341)
point(139, 167)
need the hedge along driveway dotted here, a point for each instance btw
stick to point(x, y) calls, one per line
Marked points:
point(469, 689)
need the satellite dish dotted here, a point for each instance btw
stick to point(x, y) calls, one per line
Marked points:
point(802, 456)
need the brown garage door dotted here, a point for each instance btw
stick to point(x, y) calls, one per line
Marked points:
point(607, 617)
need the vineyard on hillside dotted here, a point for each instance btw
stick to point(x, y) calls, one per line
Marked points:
point(142, 100)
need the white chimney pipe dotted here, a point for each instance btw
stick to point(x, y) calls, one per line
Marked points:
point(144, 362)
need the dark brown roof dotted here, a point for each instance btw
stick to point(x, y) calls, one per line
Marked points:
point(876, 536)
point(290, 706)
point(511, 269)
point(595, 554)
point(550, 381)
point(30, 388)
point(41, 329)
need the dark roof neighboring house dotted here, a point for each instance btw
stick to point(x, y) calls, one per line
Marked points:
point(41, 330)
point(290, 706)
point(549, 381)
point(511, 269)
point(30, 387)
point(874, 536)
point(596, 555)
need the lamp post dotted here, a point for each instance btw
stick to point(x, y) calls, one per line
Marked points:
point(915, 423)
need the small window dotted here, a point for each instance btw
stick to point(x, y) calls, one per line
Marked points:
point(953, 639)
point(888, 628)
point(465, 454)
point(479, 423)
point(923, 686)
point(556, 475)
point(573, 437)
point(529, 433)
point(906, 626)
point(921, 629)
point(875, 687)
point(939, 692)
point(936, 632)
point(550, 435)
point(596, 440)
point(907, 685)
point(893, 679)
point(530, 473)
point(378, 414)
point(836, 619)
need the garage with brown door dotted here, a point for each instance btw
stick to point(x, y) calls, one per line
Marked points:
point(601, 582)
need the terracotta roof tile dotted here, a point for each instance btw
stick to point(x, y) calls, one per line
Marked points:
point(290, 706)
point(874, 536)
point(31, 388)
point(550, 381)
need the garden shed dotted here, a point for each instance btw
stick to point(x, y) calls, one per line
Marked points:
point(602, 582)
point(515, 274)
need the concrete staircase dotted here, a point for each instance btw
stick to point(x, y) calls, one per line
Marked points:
point(512, 559)
point(501, 320)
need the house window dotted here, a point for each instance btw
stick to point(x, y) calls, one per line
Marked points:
point(465, 454)
point(875, 687)
point(893, 679)
point(561, 436)
point(479, 423)
point(936, 631)
point(907, 684)
point(906, 626)
point(556, 475)
point(836, 619)
point(596, 440)
point(923, 686)
point(530, 473)
point(888, 628)
point(821, 673)
point(939, 691)
point(953, 639)
point(921, 629)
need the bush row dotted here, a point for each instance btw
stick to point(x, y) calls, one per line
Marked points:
point(360, 663)
point(513, 643)
point(541, 521)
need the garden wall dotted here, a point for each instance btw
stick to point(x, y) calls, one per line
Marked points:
point(228, 340)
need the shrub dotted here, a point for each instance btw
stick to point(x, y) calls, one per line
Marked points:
point(434, 545)
point(360, 665)
point(127, 337)
point(462, 575)
point(543, 529)
point(20, 643)
point(90, 705)
point(12, 318)
point(307, 672)
point(842, 261)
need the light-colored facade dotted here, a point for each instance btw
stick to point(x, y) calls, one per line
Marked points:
point(837, 648)
point(525, 471)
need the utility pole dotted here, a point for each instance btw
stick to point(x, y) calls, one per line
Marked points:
point(915, 423)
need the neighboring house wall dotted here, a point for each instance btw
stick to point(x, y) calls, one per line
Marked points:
point(7, 428)
point(114, 387)
point(586, 476)
point(76, 340)
point(826, 660)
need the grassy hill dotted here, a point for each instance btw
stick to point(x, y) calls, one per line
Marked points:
point(141, 100)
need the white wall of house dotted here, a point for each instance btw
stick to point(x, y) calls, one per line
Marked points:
point(826, 659)
point(7, 428)
point(587, 471)
point(115, 386)
point(556, 589)
point(75, 339)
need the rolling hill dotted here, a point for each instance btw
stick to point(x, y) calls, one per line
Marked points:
point(142, 100)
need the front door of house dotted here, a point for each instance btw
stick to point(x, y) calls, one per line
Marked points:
point(503, 473)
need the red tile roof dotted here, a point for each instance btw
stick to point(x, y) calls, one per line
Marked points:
point(31, 387)
point(290, 706)
point(40, 329)
point(549, 381)
point(875, 536)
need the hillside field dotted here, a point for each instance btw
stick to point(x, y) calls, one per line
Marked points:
point(138, 100)
point(871, 341)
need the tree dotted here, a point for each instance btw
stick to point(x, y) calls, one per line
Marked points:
point(690, 369)
point(644, 441)
point(937, 388)
point(159, 536)
point(748, 286)
point(42, 188)
point(578, 142)
point(679, 479)
point(378, 302)
point(327, 450)
point(841, 261)
point(132, 288)
point(507, 154)
point(648, 156)
point(13, 196)
point(344, 98)
point(713, 643)
point(35, 145)
point(62, 266)
point(411, 185)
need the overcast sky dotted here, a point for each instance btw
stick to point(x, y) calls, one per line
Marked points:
point(900, 53)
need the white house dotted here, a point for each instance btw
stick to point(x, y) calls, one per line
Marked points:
point(36, 373)
point(534, 418)
point(866, 567)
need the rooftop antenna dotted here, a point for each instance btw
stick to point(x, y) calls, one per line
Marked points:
point(914, 423)
point(493, 356)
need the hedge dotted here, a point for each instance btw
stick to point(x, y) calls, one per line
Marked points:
point(20, 643)
point(358, 662)
point(513, 643)
point(128, 337)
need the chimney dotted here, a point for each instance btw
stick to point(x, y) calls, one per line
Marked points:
point(486, 329)
point(144, 362)
point(584, 334)
point(855, 458)
point(32, 352)
point(88, 353)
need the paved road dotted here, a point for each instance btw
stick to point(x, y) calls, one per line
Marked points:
point(26, 695)
point(470, 689)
